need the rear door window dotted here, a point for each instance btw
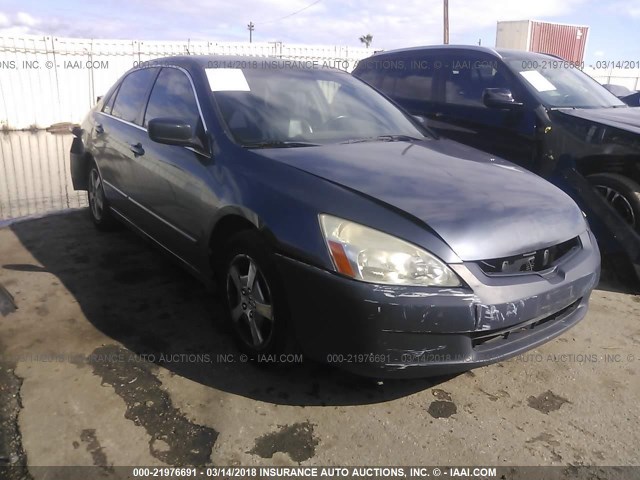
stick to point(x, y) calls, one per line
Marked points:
point(405, 79)
point(415, 80)
point(108, 104)
point(132, 95)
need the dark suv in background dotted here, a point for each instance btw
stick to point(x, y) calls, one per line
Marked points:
point(536, 110)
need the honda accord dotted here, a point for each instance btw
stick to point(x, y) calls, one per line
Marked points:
point(330, 220)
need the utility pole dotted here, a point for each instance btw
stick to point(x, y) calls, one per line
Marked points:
point(446, 22)
point(251, 27)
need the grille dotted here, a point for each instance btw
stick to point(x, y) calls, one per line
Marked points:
point(535, 261)
point(491, 336)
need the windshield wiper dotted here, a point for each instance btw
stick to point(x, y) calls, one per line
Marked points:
point(279, 144)
point(386, 138)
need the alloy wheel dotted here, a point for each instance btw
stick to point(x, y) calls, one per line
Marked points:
point(619, 202)
point(250, 302)
point(96, 195)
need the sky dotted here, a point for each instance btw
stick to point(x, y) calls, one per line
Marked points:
point(614, 25)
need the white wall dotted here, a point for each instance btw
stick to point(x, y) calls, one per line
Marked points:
point(45, 80)
point(35, 176)
point(629, 78)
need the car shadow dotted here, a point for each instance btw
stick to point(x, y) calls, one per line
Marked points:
point(616, 279)
point(135, 294)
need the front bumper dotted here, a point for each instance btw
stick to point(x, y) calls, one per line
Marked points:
point(389, 331)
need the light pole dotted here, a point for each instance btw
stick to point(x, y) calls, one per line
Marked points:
point(446, 22)
point(251, 27)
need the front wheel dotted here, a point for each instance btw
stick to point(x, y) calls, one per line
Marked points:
point(622, 193)
point(254, 297)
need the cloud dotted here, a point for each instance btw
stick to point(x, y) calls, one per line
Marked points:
point(414, 22)
point(18, 23)
point(329, 22)
point(485, 13)
point(25, 20)
point(626, 7)
point(23, 23)
point(631, 7)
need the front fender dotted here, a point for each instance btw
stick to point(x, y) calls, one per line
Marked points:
point(283, 202)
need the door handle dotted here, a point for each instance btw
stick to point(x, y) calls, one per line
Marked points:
point(137, 149)
point(99, 128)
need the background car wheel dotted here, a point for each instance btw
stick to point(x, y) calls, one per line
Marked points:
point(622, 193)
point(99, 211)
point(253, 296)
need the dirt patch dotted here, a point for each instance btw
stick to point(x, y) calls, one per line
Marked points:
point(295, 440)
point(544, 438)
point(11, 452)
point(442, 409)
point(7, 303)
point(441, 394)
point(547, 402)
point(174, 439)
point(88, 436)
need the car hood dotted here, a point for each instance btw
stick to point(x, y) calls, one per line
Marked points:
point(625, 118)
point(482, 207)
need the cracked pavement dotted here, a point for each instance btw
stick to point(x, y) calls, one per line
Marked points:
point(114, 356)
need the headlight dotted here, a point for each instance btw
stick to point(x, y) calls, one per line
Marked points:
point(372, 256)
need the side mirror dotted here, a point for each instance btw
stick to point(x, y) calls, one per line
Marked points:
point(172, 131)
point(499, 98)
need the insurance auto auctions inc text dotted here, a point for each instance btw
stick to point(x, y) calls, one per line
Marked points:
point(360, 472)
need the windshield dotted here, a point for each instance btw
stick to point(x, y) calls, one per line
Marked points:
point(296, 108)
point(557, 84)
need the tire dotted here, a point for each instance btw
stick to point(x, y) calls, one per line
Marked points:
point(257, 310)
point(99, 211)
point(622, 193)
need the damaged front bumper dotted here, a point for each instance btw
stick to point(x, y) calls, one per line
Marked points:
point(398, 331)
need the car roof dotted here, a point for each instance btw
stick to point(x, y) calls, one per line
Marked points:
point(496, 52)
point(197, 62)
